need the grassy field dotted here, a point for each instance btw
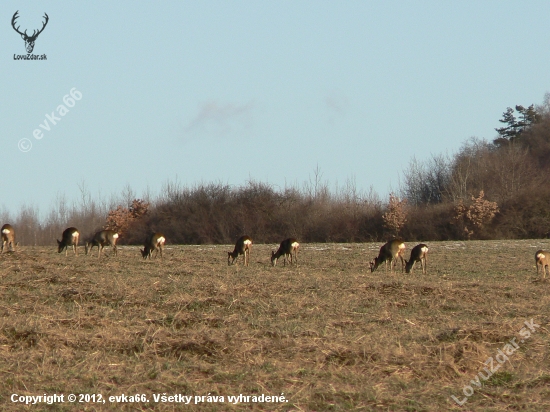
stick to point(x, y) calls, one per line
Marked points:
point(327, 334)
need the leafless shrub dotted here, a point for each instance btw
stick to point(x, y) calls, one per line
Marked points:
point(427, 182)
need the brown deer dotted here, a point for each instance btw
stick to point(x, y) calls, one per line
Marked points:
point(69, 238)
point(288, 247)
point(389, 253)
point(8, 237)
point(419, 253)
point(102, 239)
point(541, 259)
point(242, 247)
point(154, 242)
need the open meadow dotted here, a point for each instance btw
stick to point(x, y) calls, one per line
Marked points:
point(327, 335)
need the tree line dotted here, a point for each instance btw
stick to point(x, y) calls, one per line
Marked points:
point(486, 190)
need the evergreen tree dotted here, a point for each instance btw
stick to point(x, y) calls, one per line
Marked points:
point(527, 117)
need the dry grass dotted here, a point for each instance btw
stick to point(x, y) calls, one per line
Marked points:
point(328, 334)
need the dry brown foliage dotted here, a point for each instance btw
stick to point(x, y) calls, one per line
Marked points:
point(396, 215)
point(121, 218)
point(478, 214)
point(481, 211)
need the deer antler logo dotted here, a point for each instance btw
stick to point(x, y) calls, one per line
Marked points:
point(29, 40)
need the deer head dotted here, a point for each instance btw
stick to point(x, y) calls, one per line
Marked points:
point(29, 40)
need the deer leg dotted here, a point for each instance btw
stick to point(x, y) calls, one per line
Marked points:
point(425, 269)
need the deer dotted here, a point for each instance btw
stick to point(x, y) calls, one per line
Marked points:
point(541, 259)
point(242, 247)
point(288, 247)
point(419, 253)
point(155, 241)
point(29, 40)
point(8, 237)
point(69, 238)
point(389, 252)
point(101, 239)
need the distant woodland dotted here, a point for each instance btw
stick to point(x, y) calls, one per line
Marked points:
point(486, 190)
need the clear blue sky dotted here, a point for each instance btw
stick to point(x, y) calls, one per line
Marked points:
point(227, 91)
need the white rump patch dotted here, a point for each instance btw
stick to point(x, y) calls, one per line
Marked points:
point(424, 249)
point(295, 245)
point(115, 236)
point(160, 240)
point(75, 234)
point(401, 246)
point(5, 231)
point(540, 256)
point(248, 242)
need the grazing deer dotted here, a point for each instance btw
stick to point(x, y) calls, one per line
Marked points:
point(419, 253)
point(541, 259)
point(8, 237)
point(154, 242)
point(69, 238)
point(288, 247)
point(102, 239)
point(389, 252)
point(242, 247)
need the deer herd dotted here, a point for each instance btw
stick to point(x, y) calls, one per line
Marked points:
point(389, 253)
